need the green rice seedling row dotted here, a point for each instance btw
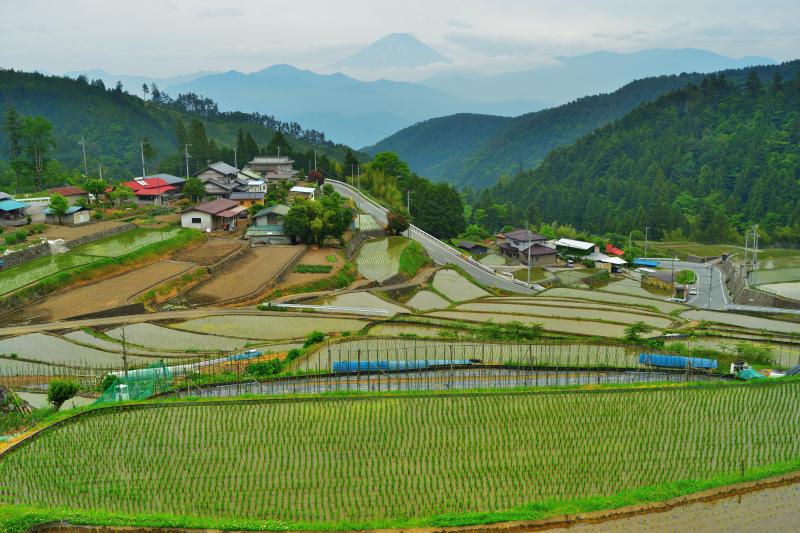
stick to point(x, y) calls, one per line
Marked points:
point(561, 325)
point(268, 327)
point(456, 287)
point(126, 243)
point(15, 278)
point(743, 321)
point(380, 259)
point(350, 463)
point(598, 296)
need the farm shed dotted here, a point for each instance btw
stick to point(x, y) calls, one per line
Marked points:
point(219, 214)
point(305, 192)
point(573, 248)
point(75, 216)
point(473, 247)
point(267, 234)
point(12, 210)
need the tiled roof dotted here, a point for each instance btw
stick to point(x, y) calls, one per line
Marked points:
point(215, 207)
point(224, 168)
point(68, 191)
point(278, 209)
point(524, 235)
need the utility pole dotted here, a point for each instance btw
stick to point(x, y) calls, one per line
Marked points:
point(83, 147)
point(100, 170)
point(529, 264)
point(141, 150)
point(358, 174)
point(235, 159)
point(646, 230)
point(315, 159)
point(186, 155)
point(408, 208)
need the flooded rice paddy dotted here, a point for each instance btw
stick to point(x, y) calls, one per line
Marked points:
point(380, 259)
point(161, 338)
point(561, 325)
point(743, 321)
point(15, 278)
point(360, 300)
point(427, 300)
point(126, 243)
point(564, 312)
point(456, 287)
point(598, 296)
point(269, 327)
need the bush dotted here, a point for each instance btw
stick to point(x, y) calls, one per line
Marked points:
point(313, 338)
point(313, 269)
point(60, 391)
point(15, 237)
point(265, 368)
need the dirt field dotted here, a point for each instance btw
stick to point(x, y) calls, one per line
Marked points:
point(316, 256)
point(243, 277)
point(68, 234)
point(107, 294)
point(210, 251)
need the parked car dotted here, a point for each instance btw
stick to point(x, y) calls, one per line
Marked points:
point(693, 291)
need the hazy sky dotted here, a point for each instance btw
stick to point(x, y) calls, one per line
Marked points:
point(166, 37)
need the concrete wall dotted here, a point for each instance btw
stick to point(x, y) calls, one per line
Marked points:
point(742, 294)
point(355, 242)
point(99, 235)
point(206, 220)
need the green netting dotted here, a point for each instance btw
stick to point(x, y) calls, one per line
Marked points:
point(138, 384)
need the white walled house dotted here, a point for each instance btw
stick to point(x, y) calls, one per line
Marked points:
point(220, 214)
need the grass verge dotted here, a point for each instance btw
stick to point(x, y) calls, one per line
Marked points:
point(412, 259)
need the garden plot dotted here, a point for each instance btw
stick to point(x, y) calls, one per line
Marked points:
point(17, 277)
point(456, 287)
point(577, 327)
point(379, 259)
point(360, 300)
point(427, 301)
point(161, 338)
point(541, 354)
point(269, 327)
point(110, 293)
point(787, 290)
point(244, 277)
point(566, 312)
point(597, 296)
point(316, 256)
point(743, 321)
point(126, 243)
point(55, 350)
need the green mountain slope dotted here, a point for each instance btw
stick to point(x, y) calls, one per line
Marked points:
point(706, 160)
point(113, 123)
point(475, 150)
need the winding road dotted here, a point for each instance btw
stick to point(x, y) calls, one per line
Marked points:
point(440, 252)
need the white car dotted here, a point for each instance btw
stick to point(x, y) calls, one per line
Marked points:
point(693, 291)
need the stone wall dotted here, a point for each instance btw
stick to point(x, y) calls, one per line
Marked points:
point(358, 239)
point(28, 254)
point(116, 230)
point(741, 294)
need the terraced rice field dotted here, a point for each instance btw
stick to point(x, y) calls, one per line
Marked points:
point(456, 287)
point(778, 275)
point(244, 277)
point(82, 337)
point(492, 260)
point(361, 300)
point(743, 321)
point(598, 296)
point(110, 293)
point(161, 338)
point(566, 312)
point(394, 459)
point(367, 223)
point(541, 354)
point(268, 327)
point(786, 356)
point(632, 288)
point(126, 243)
point(380, 259)
point(395, 330)
point(427, 300)
point(17, 277)
point(571, 304)
point(577, 327)
point(787, 290)
point(571, 277)
point(55, 350)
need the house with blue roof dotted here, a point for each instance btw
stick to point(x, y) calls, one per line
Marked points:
point(75, 216)
point(12, 212)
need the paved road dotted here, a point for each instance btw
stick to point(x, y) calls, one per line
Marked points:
point(439, 252)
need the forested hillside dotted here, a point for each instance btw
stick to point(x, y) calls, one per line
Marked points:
point(704, 162)
point(114, 123)
point(475, 150)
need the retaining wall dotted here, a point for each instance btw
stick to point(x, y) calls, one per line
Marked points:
point(358, 239)
point(28, 254)
point(742, 294)
point(116, 230)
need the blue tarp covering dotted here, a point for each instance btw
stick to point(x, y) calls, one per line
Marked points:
point(676, 361)
point(645, 262)
point(368, 366)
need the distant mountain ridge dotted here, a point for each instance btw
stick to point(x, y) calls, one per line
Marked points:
point(396, 50)
point(476, 150)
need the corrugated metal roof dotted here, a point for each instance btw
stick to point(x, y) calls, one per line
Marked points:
point(578, 245)
point(11, 205)
point(278, 209)
point(265, 231)
point(72, 209)
point(224, 168)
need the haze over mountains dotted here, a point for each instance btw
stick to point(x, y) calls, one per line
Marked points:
point(361, 113)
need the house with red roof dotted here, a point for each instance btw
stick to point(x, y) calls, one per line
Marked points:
point(152, 190)
point(71, 193)
point(613, 250)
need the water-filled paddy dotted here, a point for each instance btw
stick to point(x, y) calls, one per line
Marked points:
point(380, 259)
point(743, 321)
point(268, 327)
point(427, 300)
point(456, 287)
point(55, 350)
point(17, 277)
point(598, 296)
point(565, 312)
point(361, 300)
point(161, 338)
point(126, 243)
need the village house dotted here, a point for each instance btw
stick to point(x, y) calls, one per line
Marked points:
point(72, 193)
point(221, 180)
point(268, 227)
point(473, 247)
point(271, 167)
point(220, 214)
point(75, 216)
point(522, 244)
point(152, 190)
point(169, 179)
